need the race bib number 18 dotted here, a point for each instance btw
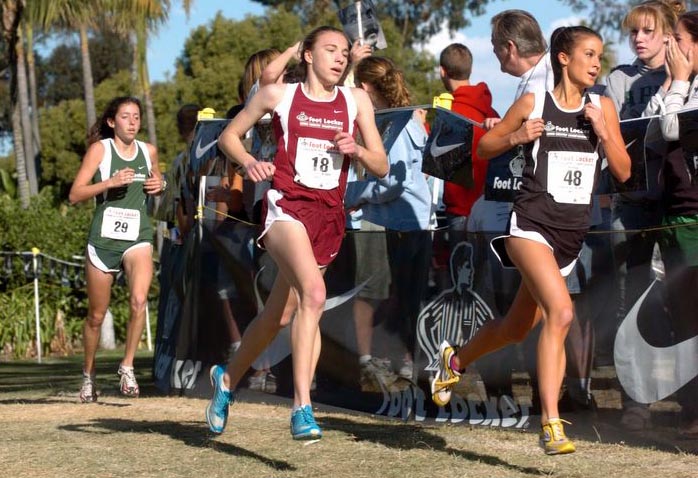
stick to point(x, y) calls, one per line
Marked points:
point(571, 176)
point(121, 224)
point(318, 163)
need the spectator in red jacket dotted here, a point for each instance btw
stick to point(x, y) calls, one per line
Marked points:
point(473, 102)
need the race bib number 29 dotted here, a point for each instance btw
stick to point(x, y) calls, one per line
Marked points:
point(318, 163)
point(121, 224)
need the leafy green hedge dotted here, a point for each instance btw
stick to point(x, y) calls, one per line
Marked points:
point(59, 230)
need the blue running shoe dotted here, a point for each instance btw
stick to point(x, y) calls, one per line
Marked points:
point(217, 409)
point(303, 425)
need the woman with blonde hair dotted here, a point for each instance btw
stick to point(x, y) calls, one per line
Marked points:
point(254, 67)
point(650, 26)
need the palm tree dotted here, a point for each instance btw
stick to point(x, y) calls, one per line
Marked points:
point(80, 15)
point(42, 15)
point(11, 16)
point(148, 15)
point(145, 16)
point(45, 14)
point(25, 121)
point(136, 19)
point(87, 80)
point(33, 97)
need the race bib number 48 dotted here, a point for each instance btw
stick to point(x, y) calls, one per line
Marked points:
point(318, 163)
point(121, 224)
point(571, 176)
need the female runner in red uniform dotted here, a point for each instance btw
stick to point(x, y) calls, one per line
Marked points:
point(314, 122)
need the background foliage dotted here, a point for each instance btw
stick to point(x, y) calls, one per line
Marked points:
point(60, 231)
point(55, 229)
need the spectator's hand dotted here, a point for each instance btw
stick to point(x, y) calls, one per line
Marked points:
point(420, 115)
point(679, 66)
point(359, 51)
point(295, 50)
point(489, 123)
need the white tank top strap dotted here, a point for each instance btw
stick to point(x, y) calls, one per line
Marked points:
point(538, 103)
point(286, 100)
point(595, 99)
point(352, 107)
point(144, 147)
point(105, 164)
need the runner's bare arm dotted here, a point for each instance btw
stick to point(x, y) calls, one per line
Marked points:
point(514, 129)
point(372, 156)
point(154, 184)
point(230, 140)
point(274, 71)
point(607, 127)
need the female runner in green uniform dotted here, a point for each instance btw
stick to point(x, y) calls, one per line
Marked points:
point(119, 171)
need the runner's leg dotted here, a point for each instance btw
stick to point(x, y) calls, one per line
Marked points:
point(98, 294)
point(289, 245)
point(138, 266)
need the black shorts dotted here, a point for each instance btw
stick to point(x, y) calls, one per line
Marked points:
point(564, 243)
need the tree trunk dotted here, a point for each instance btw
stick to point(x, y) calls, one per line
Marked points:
point(22, 183)
point(149, 109)
point(34, 103)
point(152, 139)
point(88, 82)
point(11, 15)
point(23, 100)
point(133, 38)
point(144, 80)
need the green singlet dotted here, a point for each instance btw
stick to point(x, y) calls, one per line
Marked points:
point(121, 219)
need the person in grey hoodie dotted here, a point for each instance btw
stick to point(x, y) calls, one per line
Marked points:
point(631, 87)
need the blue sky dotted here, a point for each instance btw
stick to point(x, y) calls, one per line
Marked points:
point(167, 45)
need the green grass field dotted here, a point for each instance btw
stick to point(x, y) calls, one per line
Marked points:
point(47, 433)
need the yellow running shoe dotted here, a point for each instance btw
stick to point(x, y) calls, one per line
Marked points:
point(446, 377)
point(553, 439)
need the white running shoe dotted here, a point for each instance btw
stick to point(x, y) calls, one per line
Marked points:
point(88, 390)
point(127, 384)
